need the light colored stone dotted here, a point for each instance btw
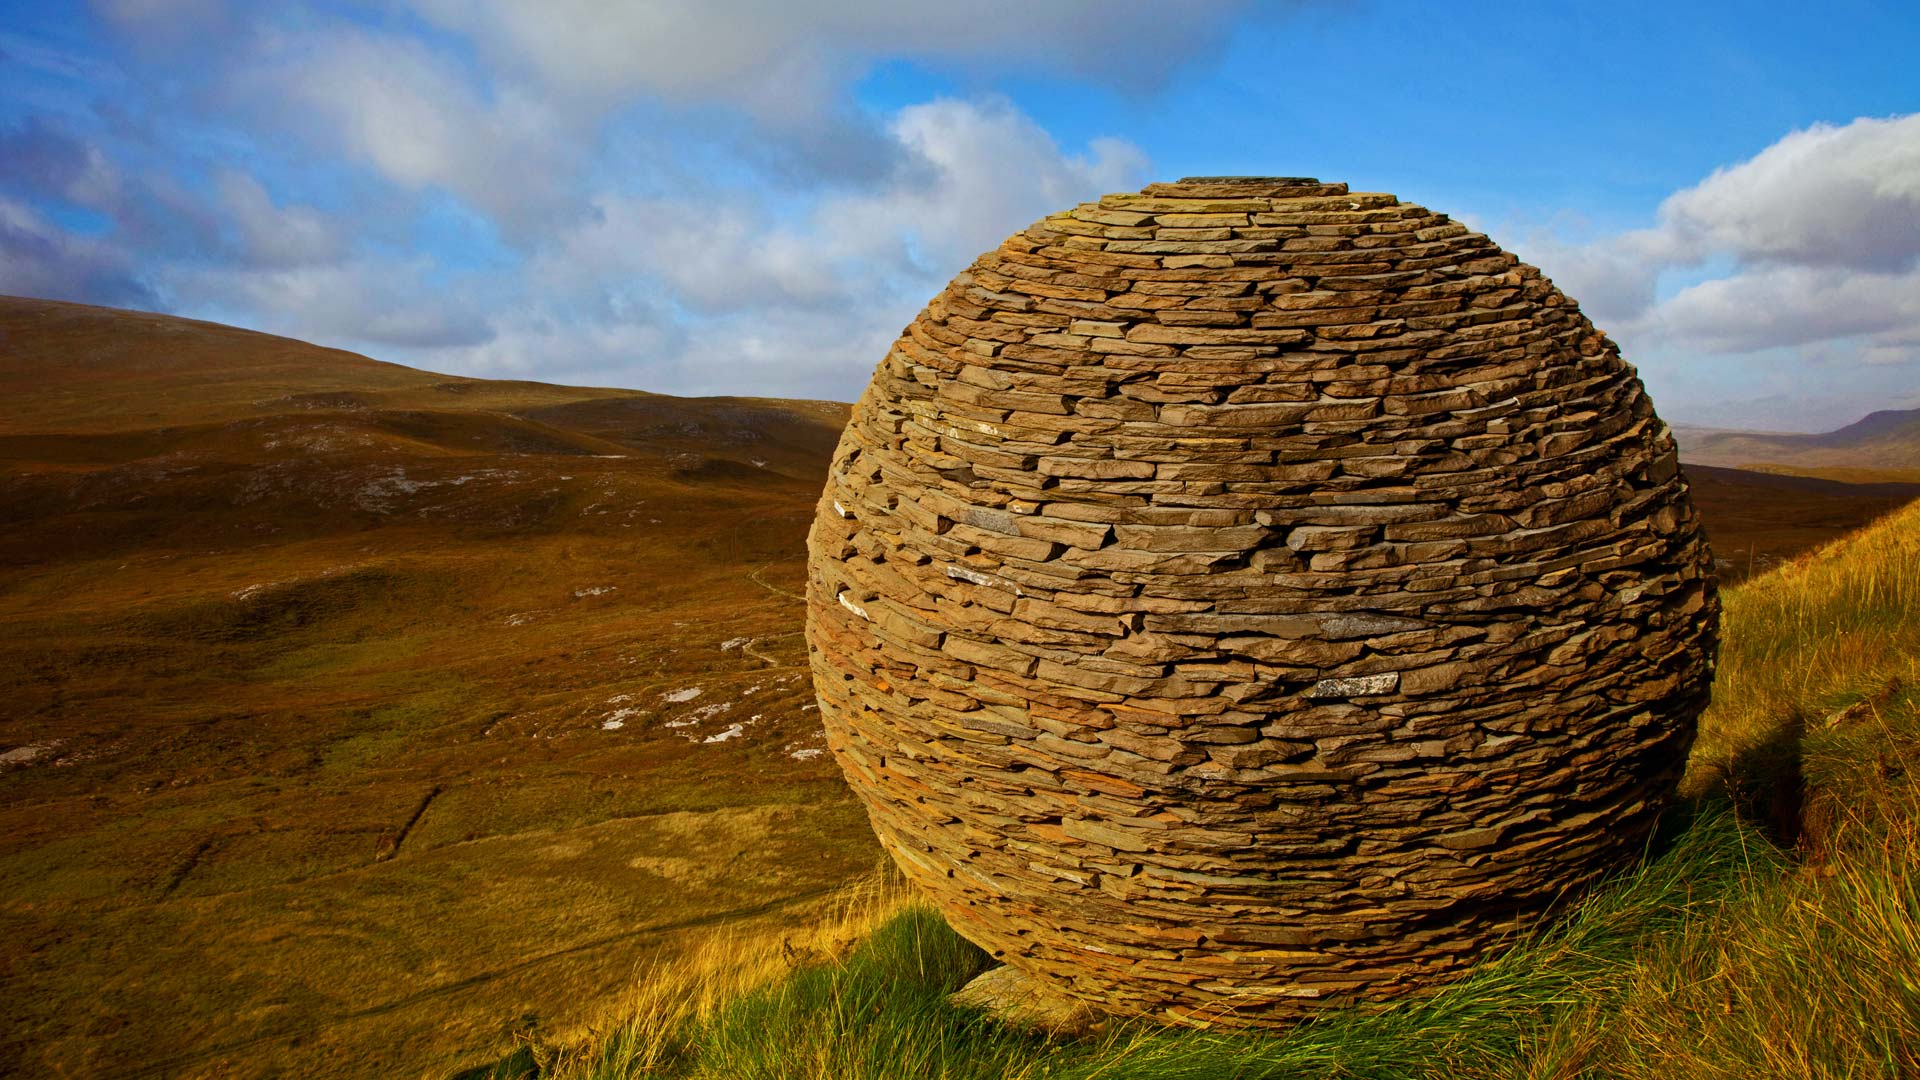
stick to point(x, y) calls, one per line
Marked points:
point(1358, 686)
point(1022, 1001)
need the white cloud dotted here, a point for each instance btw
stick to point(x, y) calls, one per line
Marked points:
point(972, 172)
point(364, 301)
point(799, 354)
point(781, 72)
point(978, 172)
point(714, 255)
point(418, 118)
point(512, 133)
point(553, 343)
point(1805, 256)
point(271, 235)
point(1845, 196)
point(803, 303)
point(1614, 278)
point(712, 274)
point(746, 51)
point(1778, 306)
point(43, 159)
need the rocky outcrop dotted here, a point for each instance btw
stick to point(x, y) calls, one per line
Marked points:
point(1249, 594)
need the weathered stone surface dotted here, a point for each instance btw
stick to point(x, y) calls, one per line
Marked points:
point(1247, 596)
point(1023, 1001)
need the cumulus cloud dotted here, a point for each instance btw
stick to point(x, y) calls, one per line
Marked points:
point(802, 354)
point(787, 68)
point(1816, 236)
point(43, 160)
point(274, 235)
point(1615, 278)
point(680, 194)
point(714, 255)
point(1842, 199)
point(677, 195)
point(417, 116)
point(514, 135)
point(557, 339)
point(805, 302)
point(1805, 256)
point(1846, 196)
point(1778, 306)
point(970, 172)
point(976, 171)
point(143, 212)
point(365, 300)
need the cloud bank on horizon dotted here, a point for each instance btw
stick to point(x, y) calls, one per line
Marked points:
point(750, 197)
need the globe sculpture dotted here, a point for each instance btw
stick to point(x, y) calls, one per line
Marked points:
point(1250, 595)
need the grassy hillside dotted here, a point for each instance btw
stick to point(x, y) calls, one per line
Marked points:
point(1775, 931)
point(361, 716)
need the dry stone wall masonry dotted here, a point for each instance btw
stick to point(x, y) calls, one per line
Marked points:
point(1249, 595)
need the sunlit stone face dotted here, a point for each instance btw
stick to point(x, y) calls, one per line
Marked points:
point(1249, 595)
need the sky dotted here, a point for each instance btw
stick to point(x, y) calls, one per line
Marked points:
point(753, 196)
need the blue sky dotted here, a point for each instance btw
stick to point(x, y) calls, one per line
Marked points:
point(752, 196)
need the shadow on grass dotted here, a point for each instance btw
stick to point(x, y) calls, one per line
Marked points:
point(1766, 783)
point(522, 1064)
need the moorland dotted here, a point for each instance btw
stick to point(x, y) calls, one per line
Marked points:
point(359, 715)
point(367, 720)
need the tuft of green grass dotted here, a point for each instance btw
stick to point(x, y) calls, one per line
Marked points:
point(881, 1012)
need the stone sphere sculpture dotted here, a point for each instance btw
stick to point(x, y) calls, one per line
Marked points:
point(1250, 595)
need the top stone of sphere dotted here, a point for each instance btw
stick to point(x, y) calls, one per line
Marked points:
point(1249, 595)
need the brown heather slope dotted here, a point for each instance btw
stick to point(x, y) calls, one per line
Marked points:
point(338, 699)
point(310, 672)
point(1756, 521)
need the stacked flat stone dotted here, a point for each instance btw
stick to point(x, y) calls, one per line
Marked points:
point(1250, 595)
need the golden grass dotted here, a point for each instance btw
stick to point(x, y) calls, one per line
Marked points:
point(1829, 628)
point(641, 1031)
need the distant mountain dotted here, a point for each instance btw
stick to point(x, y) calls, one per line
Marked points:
point(1889, 439)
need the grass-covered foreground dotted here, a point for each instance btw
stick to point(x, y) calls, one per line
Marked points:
point(1775, 932)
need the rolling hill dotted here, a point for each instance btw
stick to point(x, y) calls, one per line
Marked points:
point(359, 714)
point(1883, 441)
